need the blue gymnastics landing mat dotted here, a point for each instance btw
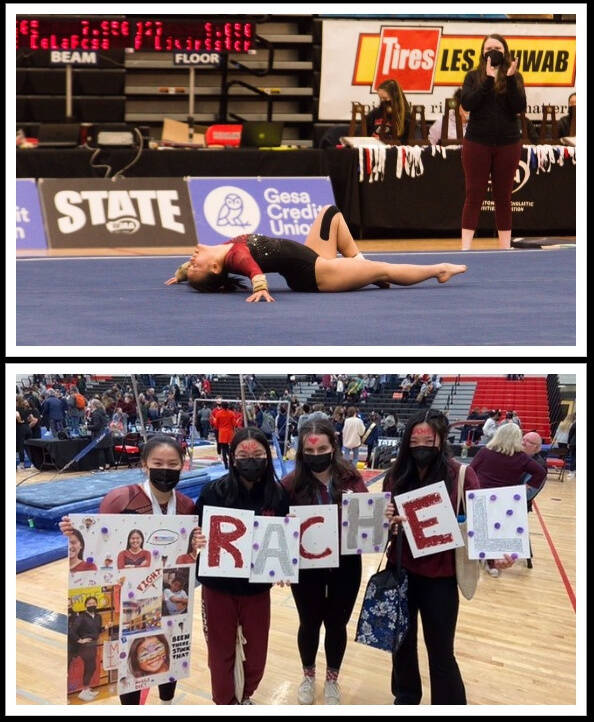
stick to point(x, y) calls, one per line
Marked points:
point(44, 543)
point(123, 302)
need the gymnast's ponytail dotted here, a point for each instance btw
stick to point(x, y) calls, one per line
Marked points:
point(213, 282)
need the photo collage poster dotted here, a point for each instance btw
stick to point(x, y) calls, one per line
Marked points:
point(130, 602)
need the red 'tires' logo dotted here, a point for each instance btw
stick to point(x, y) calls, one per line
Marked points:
point(407, 55)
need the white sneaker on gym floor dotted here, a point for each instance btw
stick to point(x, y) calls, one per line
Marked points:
point(307, 691)
point(493, 572)
point(248, 701)
point(87, 695)
point(331, 692)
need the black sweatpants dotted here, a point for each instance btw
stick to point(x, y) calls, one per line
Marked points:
point(436, 599)
point(166, 692)
point(326, 596)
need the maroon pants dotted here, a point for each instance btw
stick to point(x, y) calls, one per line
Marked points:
point(222, 613)
point(500, 162)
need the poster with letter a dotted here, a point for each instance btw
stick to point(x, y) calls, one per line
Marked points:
point(130, 603)
point(275, 550)
point(498, 523)
point(431, 524)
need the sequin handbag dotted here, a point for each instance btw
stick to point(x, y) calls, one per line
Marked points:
point(383, 621)
point(467, 570)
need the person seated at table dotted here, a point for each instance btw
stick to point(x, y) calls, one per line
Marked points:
point(564, 124)
point(313, 267)
point(435, 130)
point(392, 114)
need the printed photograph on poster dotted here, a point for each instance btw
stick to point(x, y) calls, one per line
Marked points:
point(275, 550)
point(318, 542)
point(191, 555)
point(364, 527)
point(145, 661)
point(93, 632)
point(432, 525)
point(175, 591)
point(147, 602)
point(497, 523)
point(228, 550)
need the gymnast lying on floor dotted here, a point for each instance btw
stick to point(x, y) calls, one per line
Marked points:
point(309, 267)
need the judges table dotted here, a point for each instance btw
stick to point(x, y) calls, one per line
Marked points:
point(56, 453)
point(402, 189)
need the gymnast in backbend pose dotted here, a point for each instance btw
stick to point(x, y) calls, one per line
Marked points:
point(311, 267)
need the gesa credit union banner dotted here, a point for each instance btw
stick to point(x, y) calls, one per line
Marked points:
point(276, 207)
point(430, 59)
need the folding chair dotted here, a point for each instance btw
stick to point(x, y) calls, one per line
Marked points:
point(128, 449)
point(556, 462)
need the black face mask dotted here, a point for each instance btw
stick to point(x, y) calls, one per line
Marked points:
point(164, 479)
point(496, 57)
point(251, 469)
point(424, 455)
point(317, 462)
point(91, 610)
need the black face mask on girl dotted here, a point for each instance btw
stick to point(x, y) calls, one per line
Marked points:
point(424, 455)
point(164, 479)
point(496, 57)
point(251, 469)
point(317, 462)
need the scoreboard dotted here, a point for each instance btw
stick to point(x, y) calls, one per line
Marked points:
point(161, 35)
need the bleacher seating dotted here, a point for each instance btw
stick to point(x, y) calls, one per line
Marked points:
point(527, 397)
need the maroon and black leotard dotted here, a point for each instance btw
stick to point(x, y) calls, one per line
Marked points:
point(253, 254)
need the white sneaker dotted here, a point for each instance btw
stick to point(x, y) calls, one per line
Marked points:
point(166, 701)
point(87, 696)
point(307, 691)
point(331, 692)
point(493, 572)
point(248, 701)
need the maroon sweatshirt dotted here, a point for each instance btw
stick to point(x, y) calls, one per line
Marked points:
point(496, 469)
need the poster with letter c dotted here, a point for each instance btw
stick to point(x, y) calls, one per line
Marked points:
point(318, 548)
point(432, 525)
point(130, 603)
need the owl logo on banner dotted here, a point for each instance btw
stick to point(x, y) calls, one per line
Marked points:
point(410, 55)
point(230, 210)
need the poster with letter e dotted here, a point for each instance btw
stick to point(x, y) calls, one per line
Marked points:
point(432, 525)
point(130, 603)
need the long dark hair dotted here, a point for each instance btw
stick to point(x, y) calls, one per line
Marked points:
point(79, 536)
point(195, 529)
point(135, 531)
point(500, 79)
point(212, 282)
point(341, 470)
point(230, 488)
point(403, 475)
point(398, 103)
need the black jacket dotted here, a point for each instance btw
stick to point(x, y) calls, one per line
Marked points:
point(493, 117)
point(85, 625)
point(253, 501)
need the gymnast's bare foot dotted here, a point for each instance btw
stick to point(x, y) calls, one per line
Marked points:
point(447, 270)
